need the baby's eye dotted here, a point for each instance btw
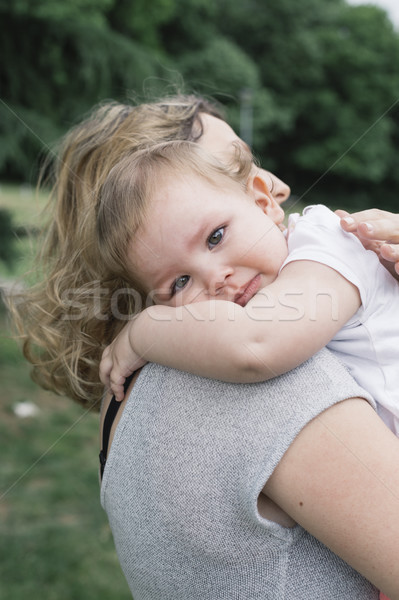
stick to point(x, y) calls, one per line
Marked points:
point(180, 283)
point(216, 237)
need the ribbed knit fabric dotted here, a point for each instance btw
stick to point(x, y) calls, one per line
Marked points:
point(180, 488)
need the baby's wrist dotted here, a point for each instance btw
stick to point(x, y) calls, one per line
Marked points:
point(144, 328)
point(133, 331)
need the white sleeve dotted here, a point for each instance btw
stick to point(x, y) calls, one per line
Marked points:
point(318, 236)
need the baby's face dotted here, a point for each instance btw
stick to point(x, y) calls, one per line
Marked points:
point(201, 242)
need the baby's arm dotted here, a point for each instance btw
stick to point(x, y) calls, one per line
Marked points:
point(281, 327)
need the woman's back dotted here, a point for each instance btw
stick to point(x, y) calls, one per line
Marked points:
point(187, 463)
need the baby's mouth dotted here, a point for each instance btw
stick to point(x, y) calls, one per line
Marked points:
point(245, 294)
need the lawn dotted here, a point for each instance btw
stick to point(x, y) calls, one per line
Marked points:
point(55, 542)
point(26, 207)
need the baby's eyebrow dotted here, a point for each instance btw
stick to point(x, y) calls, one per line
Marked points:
point(196, 234)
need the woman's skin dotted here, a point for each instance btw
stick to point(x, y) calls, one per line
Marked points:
point(378, 230)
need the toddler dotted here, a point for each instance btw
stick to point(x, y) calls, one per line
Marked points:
point(209, 232)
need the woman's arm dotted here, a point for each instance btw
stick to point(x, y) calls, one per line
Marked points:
point(378, 230)
point(340, 481)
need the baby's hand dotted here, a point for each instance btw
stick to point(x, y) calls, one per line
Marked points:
point(378, 230)
point(119, 360)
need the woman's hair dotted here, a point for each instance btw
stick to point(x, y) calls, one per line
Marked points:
point(100, 175)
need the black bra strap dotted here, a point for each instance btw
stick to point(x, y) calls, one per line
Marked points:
point(109, 419)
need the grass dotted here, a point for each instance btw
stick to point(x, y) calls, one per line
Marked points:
point(26, 207)
point(55, 542)
point(24, 203)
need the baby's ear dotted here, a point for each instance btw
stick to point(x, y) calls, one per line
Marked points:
point(258, 190)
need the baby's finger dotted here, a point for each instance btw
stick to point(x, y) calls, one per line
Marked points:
point(105, 370)
point(117, 385)
point(118, 391)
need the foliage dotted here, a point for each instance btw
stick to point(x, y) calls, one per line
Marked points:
point(189, 27)
point(77, 65)
point(140, 19)
point(322, 75)
point(220, 68)
point(331, 70)
point(352, 133)
point(48, 10)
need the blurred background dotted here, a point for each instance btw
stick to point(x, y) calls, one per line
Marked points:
point(312, 86)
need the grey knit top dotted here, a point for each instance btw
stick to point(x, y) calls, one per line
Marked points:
point(187, 463)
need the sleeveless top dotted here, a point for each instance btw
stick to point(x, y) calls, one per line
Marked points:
point(187, 463)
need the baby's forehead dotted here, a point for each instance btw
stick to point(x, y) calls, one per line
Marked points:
point(189, 175)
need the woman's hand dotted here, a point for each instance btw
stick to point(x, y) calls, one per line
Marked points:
point(119, 360)
point(378, 230)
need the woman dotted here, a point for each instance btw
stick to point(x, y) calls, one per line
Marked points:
point(204, 499)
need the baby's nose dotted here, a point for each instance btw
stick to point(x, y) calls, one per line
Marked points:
point(218, 281)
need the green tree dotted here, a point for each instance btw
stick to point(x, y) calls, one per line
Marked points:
point(331, 69)
point(205, 43)
point(91, 11)
point(141, 20)
point(322, 76)
point(346, 126)
point(189, 27)
point(77, 64)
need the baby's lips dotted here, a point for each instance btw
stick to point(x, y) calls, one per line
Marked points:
point(244, 296)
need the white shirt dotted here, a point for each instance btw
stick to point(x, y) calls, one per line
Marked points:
point(369, 342)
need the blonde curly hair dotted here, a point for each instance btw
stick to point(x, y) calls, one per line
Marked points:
point(86, 291)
